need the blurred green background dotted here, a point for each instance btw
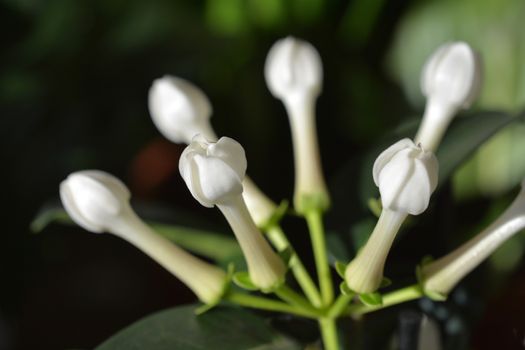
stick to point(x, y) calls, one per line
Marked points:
point(74, 77)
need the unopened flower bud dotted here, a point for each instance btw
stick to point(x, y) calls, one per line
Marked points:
point(94, 199)
point(293, 68)
point(179, 109)
point(406, 176)
point(451, 80)
point(213, 172)
point(99, 202)
point(441, 276)
point(294, 74)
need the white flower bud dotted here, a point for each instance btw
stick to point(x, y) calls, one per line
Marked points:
point(99, 202)
point(213, 171)
point(451, 80)
point(94, 199)
point(179, 109)
point(293, 67)
point(452, 75)
point(442, 275)
point(294, 74)
point(406, 176)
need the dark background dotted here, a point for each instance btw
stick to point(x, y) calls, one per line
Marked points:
point(74, 77)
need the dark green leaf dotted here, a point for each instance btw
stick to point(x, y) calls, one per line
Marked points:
point(180, 328)
point(213, 245)
point(466, 135)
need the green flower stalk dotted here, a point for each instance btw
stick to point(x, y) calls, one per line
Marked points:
point(99, 202)
point(213, 172)
point(441, 276)
point(294, 74)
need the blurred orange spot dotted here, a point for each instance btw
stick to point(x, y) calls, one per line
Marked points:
point(154, 165)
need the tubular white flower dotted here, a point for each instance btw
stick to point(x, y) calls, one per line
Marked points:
point(365, 273)
point(451, 80)
point(179, 109)
point(442, 275)
point(294, 74)
point(99, 202)
point(214, 173)
point(406, 176)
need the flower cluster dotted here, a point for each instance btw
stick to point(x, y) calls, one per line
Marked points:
point(214, 170)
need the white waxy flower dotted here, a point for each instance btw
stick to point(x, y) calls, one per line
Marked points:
point(406, 176)
point(213, 172)
point(99, 202)
point(365, 273)
point(451, 80)
point(293, 68)
point(441, 276)
point(294, 74)
point(179, 109)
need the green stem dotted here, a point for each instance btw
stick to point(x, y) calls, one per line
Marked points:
point(279, 240)
point(329, 333)
point(292, 297)
point(393, 298)
point(339, 306)
point(317, 235)
point(256, 302)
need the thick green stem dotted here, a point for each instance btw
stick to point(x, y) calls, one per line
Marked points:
point(393, 298)
point(329, 333)
point(317, 236)
point(279, 240)
point(256, 302)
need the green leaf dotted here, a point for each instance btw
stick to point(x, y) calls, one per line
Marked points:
point(48, 215)
point(340, 267)
point(243, 280)
point(210, 244)
point(371, 299)
point(179, 328)
point(466, 135)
